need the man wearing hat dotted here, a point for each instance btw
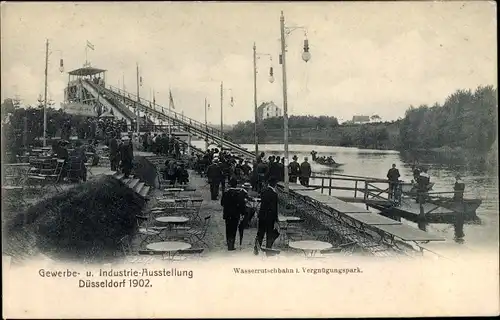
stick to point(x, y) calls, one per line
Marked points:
point(268, 215)
point(305, 172)
point(214, 175)
point(114, 154)
point(233, 203)
point(294, 170)
point(126, 156)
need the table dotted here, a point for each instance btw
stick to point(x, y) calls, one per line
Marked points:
point(165, 200)
point(173, 189)
point(170, 248)
point(171, 220)
point(17, 164)
point(289, 219)
point(309, 247)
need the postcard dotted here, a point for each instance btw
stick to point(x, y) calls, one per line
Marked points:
point(249, 159)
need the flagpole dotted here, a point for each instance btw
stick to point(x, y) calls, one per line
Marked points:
point(86, 49)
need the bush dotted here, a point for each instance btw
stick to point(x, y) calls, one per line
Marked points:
point(85, 222)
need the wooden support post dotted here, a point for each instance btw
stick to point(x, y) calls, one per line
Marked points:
point(366, 194)
point(330, 189)
point(356, 189)
point(421, 205)
point(322, 184)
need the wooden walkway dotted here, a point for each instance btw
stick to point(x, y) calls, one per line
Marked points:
point(363, 220)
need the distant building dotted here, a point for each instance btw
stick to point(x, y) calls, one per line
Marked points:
point(360, 119)
point(268, 110)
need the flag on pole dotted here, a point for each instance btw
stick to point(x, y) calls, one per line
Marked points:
point(208, 106)
point(140, 81)
point(154, 101)
point(232, 102)
point(170, 100)
point(90, 45)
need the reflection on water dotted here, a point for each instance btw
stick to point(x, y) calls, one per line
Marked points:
point(479, 182)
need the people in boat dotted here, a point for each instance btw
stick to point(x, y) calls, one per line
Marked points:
point(459, 189)
point(313, 155)
point(294, 170)
point(305, 172)
point(423, 182)
point(330, 160)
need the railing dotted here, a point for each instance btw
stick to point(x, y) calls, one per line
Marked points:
point(172, 116)
point(359, 183)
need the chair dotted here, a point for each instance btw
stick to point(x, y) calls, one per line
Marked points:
point(75, 169)
point(194, 209)
point(195, 236)
point(145, 232)
point(53, 176)
point(133, 256)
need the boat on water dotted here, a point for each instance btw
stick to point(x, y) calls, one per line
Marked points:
point(411, 187)
point(326, 161)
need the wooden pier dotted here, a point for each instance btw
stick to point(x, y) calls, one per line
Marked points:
point(361, 222)
point(374, 193)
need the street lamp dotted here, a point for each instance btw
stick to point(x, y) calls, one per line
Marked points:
point(271, 80)
point(306, 56)
point(222, 112)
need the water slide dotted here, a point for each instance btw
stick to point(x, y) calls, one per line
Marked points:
point(190, 125)
point(109, 102)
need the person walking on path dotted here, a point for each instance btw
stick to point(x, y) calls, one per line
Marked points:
point(127, 156)
point(214, 175)
point(305, 173)
point(114, 153)
point(233, 203)
point(393, 177)
point(268, 216)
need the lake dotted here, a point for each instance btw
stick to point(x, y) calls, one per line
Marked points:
point(479, 183)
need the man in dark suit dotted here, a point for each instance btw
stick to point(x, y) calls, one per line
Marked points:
point(305, 172)
point(268, 215)
point(294, 170)
point(114, 156)
point(214, 175)
point(233, 203)
point(393, 177)
point(127, 156)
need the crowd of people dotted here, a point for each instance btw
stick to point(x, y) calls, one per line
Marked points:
point(220, 166)
point(162, 144)
point(121, 153)
point(260, 177)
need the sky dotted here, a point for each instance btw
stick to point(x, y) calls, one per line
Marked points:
point(367, 57)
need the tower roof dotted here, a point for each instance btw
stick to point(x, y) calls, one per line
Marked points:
point(86, 71)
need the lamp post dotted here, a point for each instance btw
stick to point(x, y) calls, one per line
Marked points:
point(271, 80)
point(61, 69)
point(306, 56)
point(222, 112)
